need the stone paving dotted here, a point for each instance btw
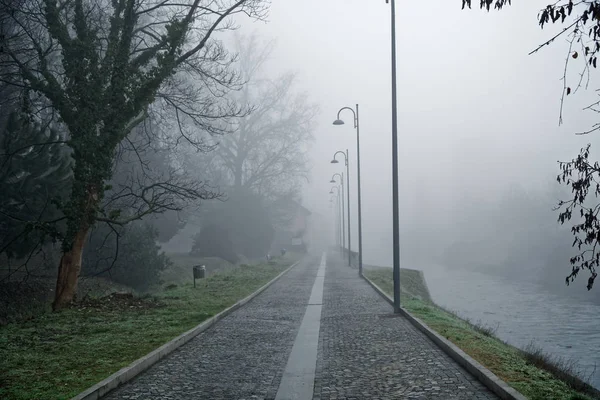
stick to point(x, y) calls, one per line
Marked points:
point(243, 356)
point(366, 352)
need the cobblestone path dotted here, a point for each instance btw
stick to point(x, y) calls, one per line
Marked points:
point(364, 352)
point(243, 356)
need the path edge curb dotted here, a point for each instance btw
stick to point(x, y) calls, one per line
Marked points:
point(129, 372)
point(484, 375)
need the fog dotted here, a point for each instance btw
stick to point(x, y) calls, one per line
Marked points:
point(210, 145)
point(477, 115)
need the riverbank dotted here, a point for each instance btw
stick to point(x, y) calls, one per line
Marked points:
point(58, 355)
point(526, 372)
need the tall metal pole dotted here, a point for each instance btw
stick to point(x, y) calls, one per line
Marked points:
point(338, 121)
point(340, 228)
point(336, 224)
point(339, 213)
point(348, 208)
point(336, 237)
point(336, 233)
point(396, 222)
point(343, 223)
point(360, 251)
point(339, 223)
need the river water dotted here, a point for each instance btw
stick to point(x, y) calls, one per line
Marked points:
point(523, 313)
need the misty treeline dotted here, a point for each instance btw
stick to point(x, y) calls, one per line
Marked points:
point(261, 165)
point(513, 235)
point(120, 119)
point(580, 27)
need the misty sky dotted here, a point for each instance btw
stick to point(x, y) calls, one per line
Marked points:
point(476, 113)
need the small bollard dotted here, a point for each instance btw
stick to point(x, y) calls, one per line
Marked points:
point(199, 272)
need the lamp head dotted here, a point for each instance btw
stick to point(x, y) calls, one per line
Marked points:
point(334, 161)
point(332, 181)
point(338, 122)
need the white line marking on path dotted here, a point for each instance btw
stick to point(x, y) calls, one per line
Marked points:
point(298, 378)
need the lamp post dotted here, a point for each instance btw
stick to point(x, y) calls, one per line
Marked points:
point(337, 222)
point(338, 121)
point(346, 160)
point(395, 211)
point(341, 176)
point(336, 216)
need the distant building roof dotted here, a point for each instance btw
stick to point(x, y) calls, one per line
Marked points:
point(302, 209)
point(294, 206)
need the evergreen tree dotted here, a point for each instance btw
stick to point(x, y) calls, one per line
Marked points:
point(35, 172)
point(127, 255)
point(239, 226)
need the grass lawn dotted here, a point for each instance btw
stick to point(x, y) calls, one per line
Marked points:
point(58, 355)
point(507, 362)
point(412, 284)
point(181, 270)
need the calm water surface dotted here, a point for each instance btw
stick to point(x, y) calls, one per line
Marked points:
point(524, 313)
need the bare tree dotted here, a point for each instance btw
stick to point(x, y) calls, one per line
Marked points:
point(268, 153)
point(261, 165)
point(100, 66)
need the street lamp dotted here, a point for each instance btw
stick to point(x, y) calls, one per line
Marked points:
point(336, 233)
point(339, 121)
point(346, 160)
point(341, 176)
point(338, 223)
point(395, 211)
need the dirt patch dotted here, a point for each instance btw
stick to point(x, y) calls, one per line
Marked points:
point(118, 302)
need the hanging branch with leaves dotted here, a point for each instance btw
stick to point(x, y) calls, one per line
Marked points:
point(582, 31)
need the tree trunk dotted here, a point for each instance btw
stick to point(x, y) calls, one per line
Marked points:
point(70, 262)
point(237, 175)
point(68, 271)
